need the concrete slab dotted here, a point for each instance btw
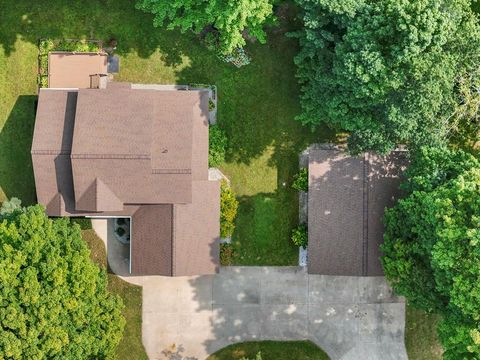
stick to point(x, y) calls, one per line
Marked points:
point(196, 316)
point(192, 317)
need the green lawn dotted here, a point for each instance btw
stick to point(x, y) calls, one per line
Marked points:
point(131, 295)
point(257, 106)
point(271, 350)
point(421, 337)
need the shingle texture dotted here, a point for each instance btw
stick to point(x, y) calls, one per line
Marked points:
point(346, 200)
point(143, 153)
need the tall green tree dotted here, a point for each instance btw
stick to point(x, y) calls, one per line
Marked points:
point(228, 18)
point(432, 245)
point(385, 70)
point(54, 303)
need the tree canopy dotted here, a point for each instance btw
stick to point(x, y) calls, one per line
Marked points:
point(432, 245)
point(385, 70)
point(54, 303)
point(228, 18)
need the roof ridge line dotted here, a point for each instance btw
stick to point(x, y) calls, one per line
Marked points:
point(171, 171)
point(50, 152)
point(112, 156)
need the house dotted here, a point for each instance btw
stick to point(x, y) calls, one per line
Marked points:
point(346, 200)
point(131, 151)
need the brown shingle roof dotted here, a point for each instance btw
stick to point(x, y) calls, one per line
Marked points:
point(120, 152)
point(151, 242)
point(197, 228)
point(51, 148)
point(178, 240)
point(99, 197)
point(346, 199)
point(74, 70)
point(150, 162)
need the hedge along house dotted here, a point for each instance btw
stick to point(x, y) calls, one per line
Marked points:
point(138, 153)
point(347, 197)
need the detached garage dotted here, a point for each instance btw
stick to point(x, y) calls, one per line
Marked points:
point(346, 201)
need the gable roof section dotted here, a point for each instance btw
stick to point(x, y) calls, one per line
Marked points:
point(51, 148)
point(98, 197)
point(346, 200)
point(150, 162)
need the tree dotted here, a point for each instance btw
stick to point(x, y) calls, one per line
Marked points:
point(228, 18)
point(385, 70)
point(54, 301)
point(432, 245)
point(465, 121)
point(10, 206)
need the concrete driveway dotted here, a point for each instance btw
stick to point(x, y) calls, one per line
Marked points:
point(348, 317)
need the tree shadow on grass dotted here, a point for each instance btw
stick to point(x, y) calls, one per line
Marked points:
point(257, 103)
point(132, 28)
point(263, 226)
point(16, 171)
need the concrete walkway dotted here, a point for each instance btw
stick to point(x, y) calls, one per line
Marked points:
point(348, 317)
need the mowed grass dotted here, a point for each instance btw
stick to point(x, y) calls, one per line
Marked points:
point(271, 350)
point(421, 337)
point(131, 345)
point(257, 106)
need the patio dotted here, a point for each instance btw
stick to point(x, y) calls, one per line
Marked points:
point(76, 70)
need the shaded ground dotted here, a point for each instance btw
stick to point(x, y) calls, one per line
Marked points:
point(421, 337)
point(131, 345)
point(288, 350)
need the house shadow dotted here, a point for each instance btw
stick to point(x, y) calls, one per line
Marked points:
point(16, 170)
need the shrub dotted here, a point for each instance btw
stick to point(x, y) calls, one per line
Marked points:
point(43, 63)
point(84, 223)
point(10, 206)
point(120, 231)
point(43, 81)
point(300, 236)
point(300, 180)
point(257, 357)
point(217, 146)
point(55, 302)
point(226, 254)
point(237, 57)
point(228, 210)
point(47, 45)
point(211, 105)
